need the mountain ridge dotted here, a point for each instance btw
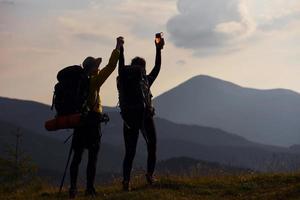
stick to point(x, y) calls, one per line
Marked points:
point(211, 78)
point(268, 116)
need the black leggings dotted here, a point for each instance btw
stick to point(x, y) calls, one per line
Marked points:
point(131, 137)
point(91, 166)
point(87, 137)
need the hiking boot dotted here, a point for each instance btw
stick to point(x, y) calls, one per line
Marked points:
point(91, 192)
point(150, 179)
point(72, 193)
point(126, 186)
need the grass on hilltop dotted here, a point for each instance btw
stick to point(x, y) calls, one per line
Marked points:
point(242, 187)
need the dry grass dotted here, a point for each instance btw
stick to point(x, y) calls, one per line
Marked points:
point(243, 187)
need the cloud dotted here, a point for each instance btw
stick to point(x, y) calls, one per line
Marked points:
point(277, 16)
point(181, 62)
point(93, 37)
point(88, 26)
point(145, 18)
point(223, 27)
point(279, 23)
point(7, 2)
point(210, 26)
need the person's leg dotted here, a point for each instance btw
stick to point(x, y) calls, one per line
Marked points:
point(77, 148)
point(74, 166)
point(130, 137)
point(150, 134)
point(93, 142)
point(91, 166)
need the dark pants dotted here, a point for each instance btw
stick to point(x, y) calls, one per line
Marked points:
point(87, 137)
point(131, 135)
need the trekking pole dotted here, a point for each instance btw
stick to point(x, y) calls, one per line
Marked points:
point(68, 138)
point(66, 168)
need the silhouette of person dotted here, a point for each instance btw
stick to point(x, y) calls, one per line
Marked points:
point(88, 136)
point(135, 100)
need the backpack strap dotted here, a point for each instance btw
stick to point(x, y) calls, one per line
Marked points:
point(97, 99)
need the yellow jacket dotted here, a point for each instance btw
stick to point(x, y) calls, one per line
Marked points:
point(96, 81)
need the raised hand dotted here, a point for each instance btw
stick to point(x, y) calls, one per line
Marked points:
point(120, 42)
point(159, 41)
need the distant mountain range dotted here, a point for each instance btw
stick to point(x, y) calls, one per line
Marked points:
point(174, 140)
point(265, 116)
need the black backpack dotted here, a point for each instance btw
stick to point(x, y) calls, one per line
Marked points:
point(134, 90)
point(71, 91)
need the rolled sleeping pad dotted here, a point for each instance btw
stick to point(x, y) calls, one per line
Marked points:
point(63, 122)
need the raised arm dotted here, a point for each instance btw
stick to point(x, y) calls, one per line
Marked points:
point(159, 44)
point(155, 71)
point(121, 60)
point(110, 67)
point(104, 73)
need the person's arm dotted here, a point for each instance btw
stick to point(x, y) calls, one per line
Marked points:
point(104, 73)
point(101, 77)
point(121, 60)
point(155, 71)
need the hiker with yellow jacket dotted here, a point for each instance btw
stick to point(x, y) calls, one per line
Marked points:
point(88, 136)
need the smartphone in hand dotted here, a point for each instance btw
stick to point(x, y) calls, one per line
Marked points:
point(159, 40)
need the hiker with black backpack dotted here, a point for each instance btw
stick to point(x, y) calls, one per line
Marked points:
point(135, 101)
point(88, 135)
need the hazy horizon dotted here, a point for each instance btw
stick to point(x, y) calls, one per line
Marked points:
point(171, 89)
point(252, 43)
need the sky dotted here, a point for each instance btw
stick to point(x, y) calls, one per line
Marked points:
point(253, 43)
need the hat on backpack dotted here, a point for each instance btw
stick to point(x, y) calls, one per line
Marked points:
point(91, 62)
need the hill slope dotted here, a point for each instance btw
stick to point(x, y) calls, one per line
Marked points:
point(50, 154)
point(174, 140)
point(265, 116)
